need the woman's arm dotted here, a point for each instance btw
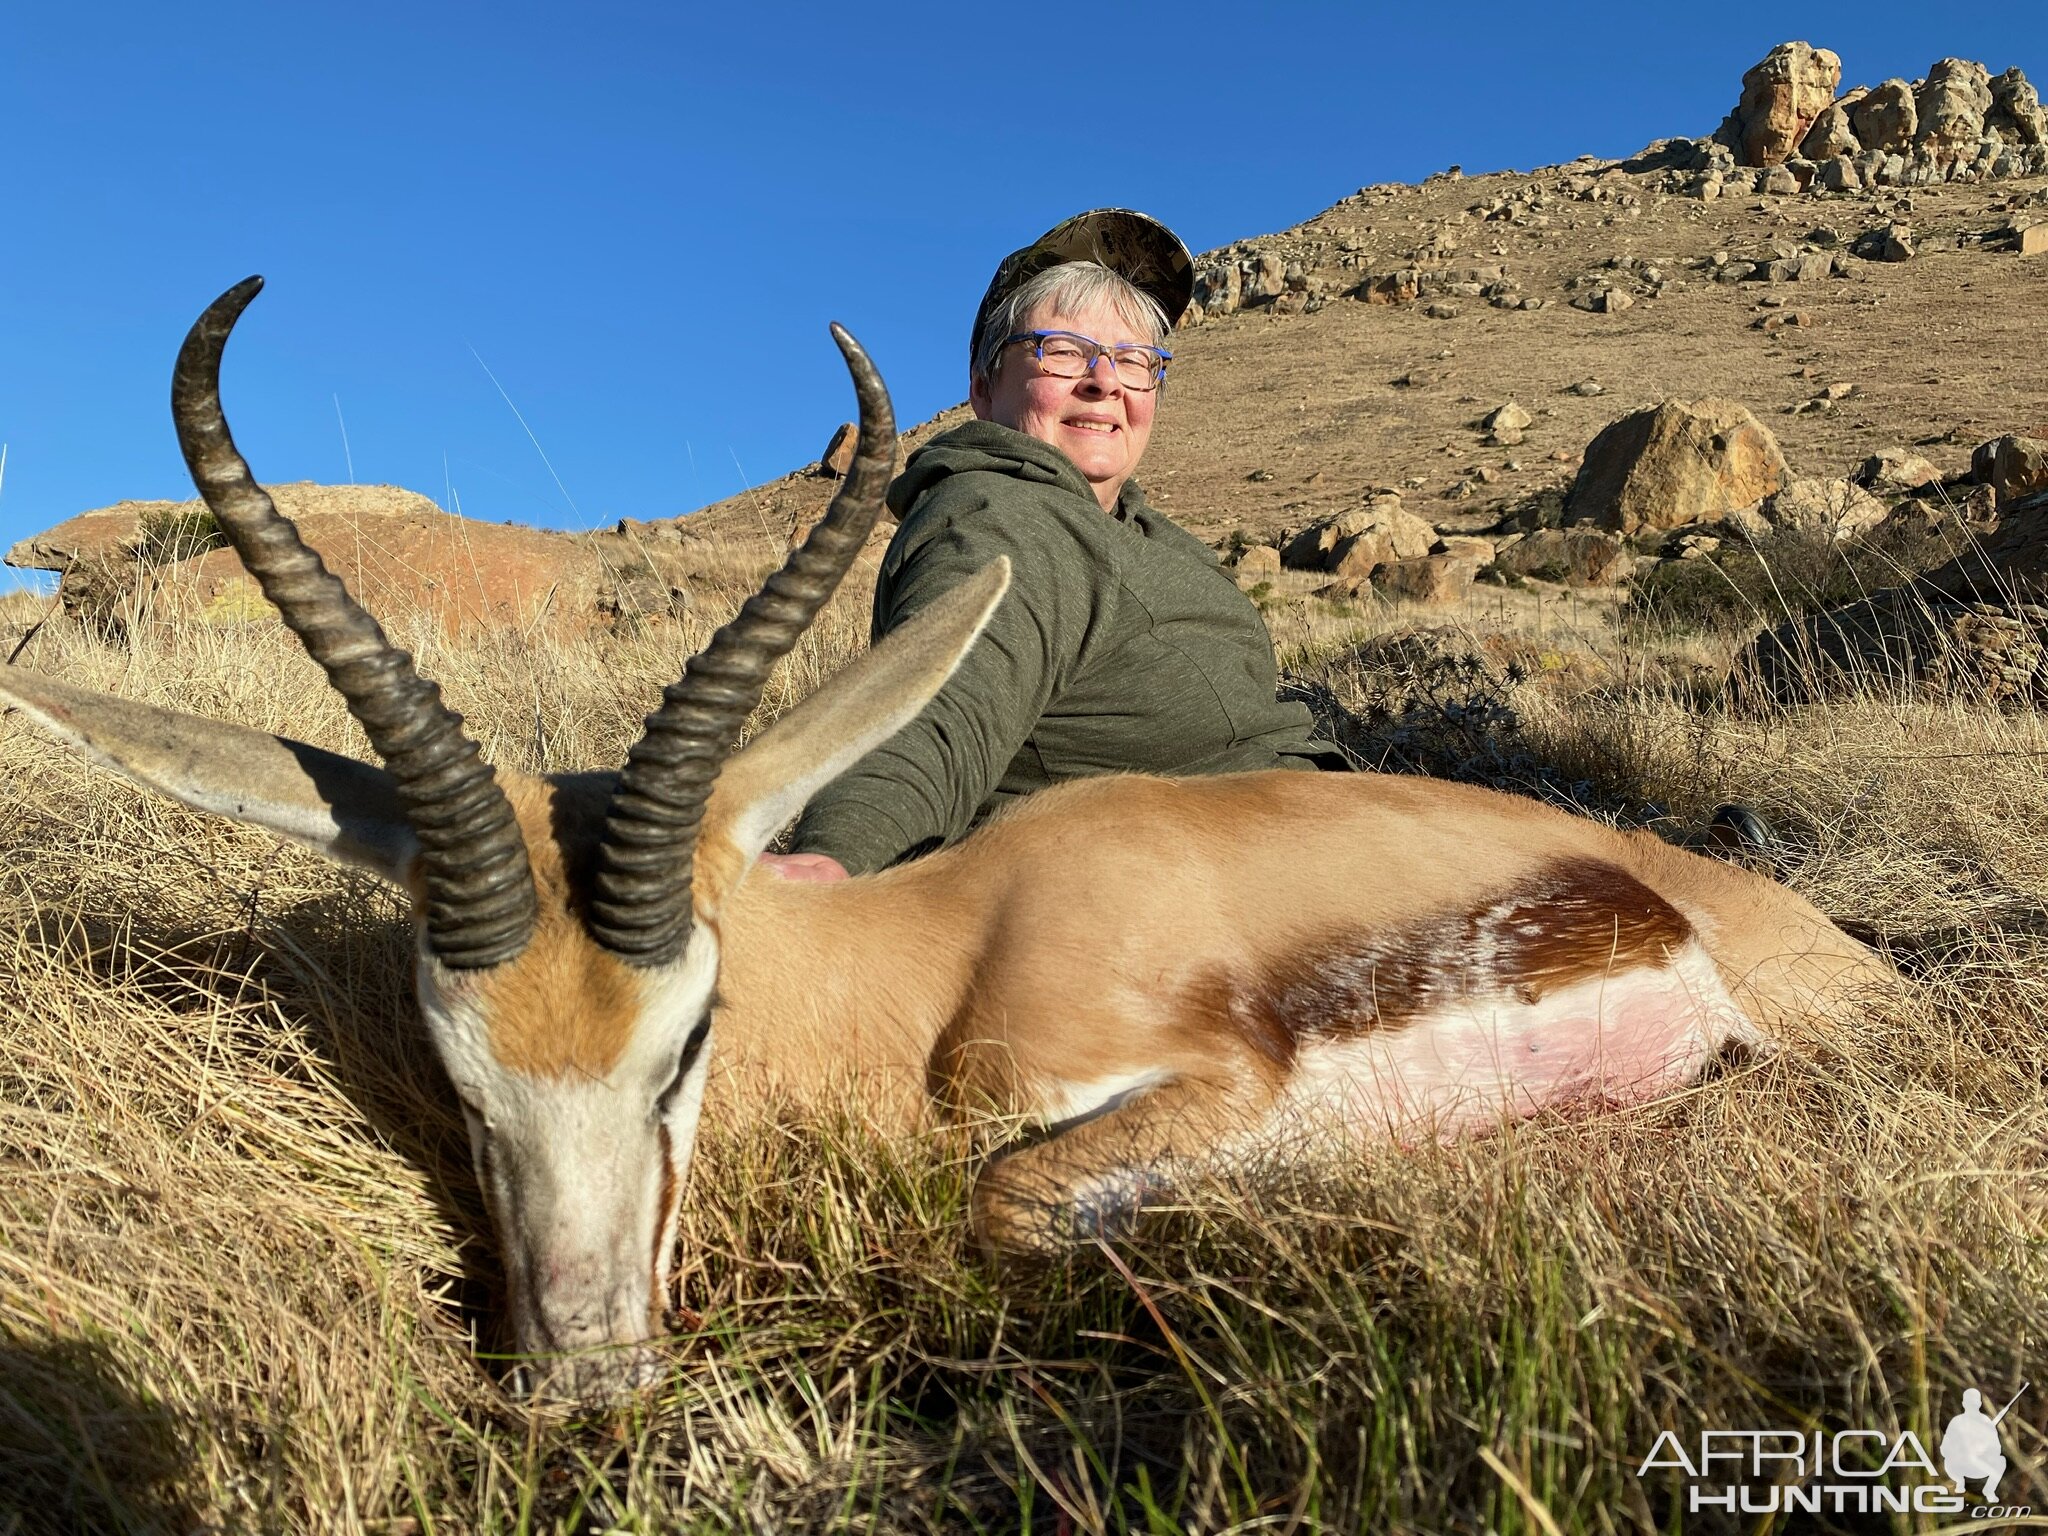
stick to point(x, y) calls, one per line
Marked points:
point(923, 787)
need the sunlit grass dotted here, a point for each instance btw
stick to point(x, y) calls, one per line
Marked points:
point(243, 1284)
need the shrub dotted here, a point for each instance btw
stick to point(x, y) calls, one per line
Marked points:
point(1789, 574)
point(177, 534)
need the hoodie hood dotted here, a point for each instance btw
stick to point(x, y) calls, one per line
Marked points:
point(983, 447)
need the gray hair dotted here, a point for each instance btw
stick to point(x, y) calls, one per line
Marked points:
point(1068, 287)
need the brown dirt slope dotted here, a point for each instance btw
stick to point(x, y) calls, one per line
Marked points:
point(1936, 347)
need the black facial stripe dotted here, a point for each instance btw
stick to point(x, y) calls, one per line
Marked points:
point(693, 1047)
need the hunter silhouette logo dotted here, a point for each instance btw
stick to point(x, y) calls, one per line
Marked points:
point(1969, 1446)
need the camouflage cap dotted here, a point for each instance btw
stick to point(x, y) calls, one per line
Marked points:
point(1135, 246)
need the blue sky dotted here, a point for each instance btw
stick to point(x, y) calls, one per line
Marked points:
point(638, 219)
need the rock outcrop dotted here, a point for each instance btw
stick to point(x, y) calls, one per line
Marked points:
point(2015, 111)
point(1959, 123)
point(399, 553)
point(1782, 95)
point(1832, 133)
point(1358, 542)
point(1678, 463)
point(1952, 105)
point(1886, 118)
point(1974, 629)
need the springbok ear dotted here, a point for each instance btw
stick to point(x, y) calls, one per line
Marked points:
point(346, 809)
point(859, 707)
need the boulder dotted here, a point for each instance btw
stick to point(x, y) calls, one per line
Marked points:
point(838, 456)
point(1505, 424)
point(1832, 133)
point(1465, 547)
point(2015, 113)
point(1887, 118)
point(1361, 554)
point(1677, 463)
point(2015, 467)
point(1309, 550)
point(113, 533)
point(1407, 535)
point(1888, 242)
point(1836, 509)
point(1782, 95)
point(1578, 557)
point(1433, 580)
point(1266, 280)
point(1952, 104)
point(1839, 175)
point(2008, 556)
point(1896, 471)
point(1360, 540)
point(2032, 240)
point(1402, 287)
point(1257, 560)
point(1219, 289)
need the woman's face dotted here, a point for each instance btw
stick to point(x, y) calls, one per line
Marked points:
point(1094, 420)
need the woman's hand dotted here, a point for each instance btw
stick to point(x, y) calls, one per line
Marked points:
point(817, 867)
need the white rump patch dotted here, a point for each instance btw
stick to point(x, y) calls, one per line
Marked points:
point(1464, 1068)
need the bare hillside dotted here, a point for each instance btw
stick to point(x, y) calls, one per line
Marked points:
point(1935, 350)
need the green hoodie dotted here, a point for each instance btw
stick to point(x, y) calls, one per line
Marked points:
point(1121, 646)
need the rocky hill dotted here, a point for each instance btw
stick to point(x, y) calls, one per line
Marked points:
point(1435, 360)
point(1812, 320)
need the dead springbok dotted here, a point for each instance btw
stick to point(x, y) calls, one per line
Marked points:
point(1161, 971)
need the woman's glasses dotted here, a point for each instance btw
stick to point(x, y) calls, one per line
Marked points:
point(1065, 355)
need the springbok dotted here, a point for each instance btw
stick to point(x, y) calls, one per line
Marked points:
point(1162, 972)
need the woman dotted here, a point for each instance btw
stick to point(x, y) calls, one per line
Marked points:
point(1122, 645)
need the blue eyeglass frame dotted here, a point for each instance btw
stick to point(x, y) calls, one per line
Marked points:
point(1098, 351)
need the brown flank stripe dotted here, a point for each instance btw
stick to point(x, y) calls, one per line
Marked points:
point(1572, 920)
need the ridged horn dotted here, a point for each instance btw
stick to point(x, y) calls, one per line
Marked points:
point(640, 907)
point(480, 902)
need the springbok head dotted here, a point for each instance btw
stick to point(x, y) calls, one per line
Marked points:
point(567, 929)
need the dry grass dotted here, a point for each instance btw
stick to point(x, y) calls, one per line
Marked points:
point(241, 1276)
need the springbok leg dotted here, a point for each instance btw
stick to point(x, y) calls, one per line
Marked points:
point(1096, 1174)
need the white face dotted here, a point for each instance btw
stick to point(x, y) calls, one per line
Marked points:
point(1094, 420)
point(584, 1174)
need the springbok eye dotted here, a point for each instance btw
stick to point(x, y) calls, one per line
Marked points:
point(693, 1047)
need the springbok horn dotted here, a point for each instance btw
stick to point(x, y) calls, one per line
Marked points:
point(480, 899)
point(640, 909)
